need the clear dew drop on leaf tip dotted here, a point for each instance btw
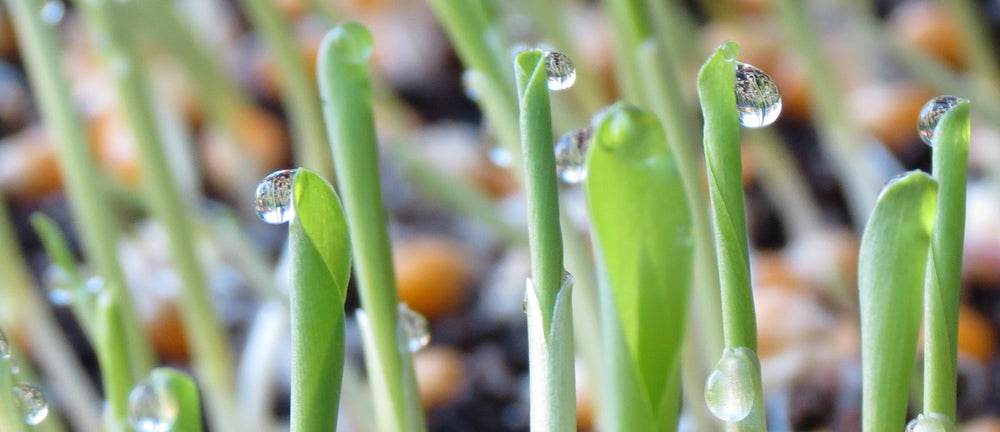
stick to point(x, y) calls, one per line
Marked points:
point(152, 408)
point(930, 116)
point(560, 71)
point(52, 12)
point(757, 98)
point(273, 197)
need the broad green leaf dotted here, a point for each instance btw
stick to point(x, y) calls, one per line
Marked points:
point(642, 224)
point(320, 253)
point(894, 251)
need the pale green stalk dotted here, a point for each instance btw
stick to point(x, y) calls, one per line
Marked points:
point(347, 105)
point(944, 276)
point(87, 199)
point(548, 303)
point(210, 350)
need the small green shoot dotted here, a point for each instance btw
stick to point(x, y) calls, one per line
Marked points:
point(894, 245)
point(321, 266)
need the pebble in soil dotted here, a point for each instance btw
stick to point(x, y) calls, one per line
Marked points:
point(757, 98)
point(273, 197)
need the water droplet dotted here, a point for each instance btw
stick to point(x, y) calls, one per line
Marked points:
point(501, 157)
point(60, 286)
point(730, 50)
point(274, 197)
point(931, 115)
point(4, 346)
point(567, 279)
point(757, 98)
point(353, 41)
point(95, 284)
point(571, 155)
point(414, 328)
point(15, 368)
point(30, 402)
point(932, 422)
point(53, 12)
point(560, 71)
point(152, 407)
point(729, 391)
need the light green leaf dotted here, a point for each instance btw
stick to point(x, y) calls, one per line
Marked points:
point(320, 253)
point(642, 223)
point(894, 251)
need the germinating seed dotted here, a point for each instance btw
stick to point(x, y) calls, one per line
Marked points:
point(757, 98)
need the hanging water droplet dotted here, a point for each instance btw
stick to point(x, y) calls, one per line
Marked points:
point(4, 346)
point(932, 422)
point(413, 328)
point(30, 402)
point(729, 391)
point(931, 113)
point(560, 71)
point(571, 155)
point(60, 286)
point(53, 11)
point(274, 197)
point(152, 407)
point(757, 98)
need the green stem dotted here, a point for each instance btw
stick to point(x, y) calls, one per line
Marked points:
point(10, 419)
point(944, 276)
point(88, 202)
point(631, 28)
point(347, 103)
point(301, 102)
point(716, 82)
point(841, 139)
point(209, 345)
point(112, 354)
point(551, 350)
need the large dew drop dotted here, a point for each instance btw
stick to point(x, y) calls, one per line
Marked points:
point(413, 328)
point(571, 155)
point(931, 115)
point(729, 391)
point(930, 423)
point(30, 402)
point(560, 70)
point(152, 408)
point(757, 98)
point(273, 198)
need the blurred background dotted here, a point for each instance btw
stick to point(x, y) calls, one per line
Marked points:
point(849, 111)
